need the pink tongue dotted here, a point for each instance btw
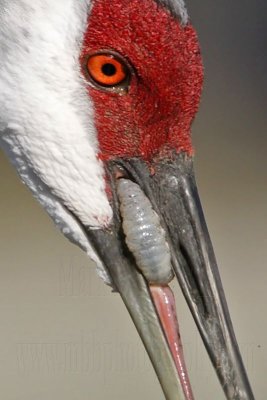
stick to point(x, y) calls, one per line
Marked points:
point(165, 304)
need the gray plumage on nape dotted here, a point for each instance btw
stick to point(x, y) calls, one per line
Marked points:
point(177, 8)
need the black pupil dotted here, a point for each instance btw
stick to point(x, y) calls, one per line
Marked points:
point(109, 69)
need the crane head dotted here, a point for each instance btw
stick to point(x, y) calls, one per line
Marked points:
point(148, 110)
point(98, 98)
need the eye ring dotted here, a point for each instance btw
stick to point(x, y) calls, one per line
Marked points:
point(109, 71)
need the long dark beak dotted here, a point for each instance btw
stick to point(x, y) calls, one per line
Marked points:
point(170, 186)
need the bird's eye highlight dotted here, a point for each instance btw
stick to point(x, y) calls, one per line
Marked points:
point(108, 71)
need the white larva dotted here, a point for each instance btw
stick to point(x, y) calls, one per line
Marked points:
point(144, 235)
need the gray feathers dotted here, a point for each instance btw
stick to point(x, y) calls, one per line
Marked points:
point(176, 8)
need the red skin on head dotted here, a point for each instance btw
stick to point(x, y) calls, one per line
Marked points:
point(154, 117)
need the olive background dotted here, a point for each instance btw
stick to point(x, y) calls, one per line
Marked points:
point(63, 334)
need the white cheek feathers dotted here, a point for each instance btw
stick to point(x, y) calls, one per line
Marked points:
point(46, 118)
point(64, 220)
point(44, 103)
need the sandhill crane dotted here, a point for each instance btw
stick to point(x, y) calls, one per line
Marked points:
point(97, 101)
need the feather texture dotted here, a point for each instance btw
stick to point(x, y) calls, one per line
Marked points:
point(177, 8)
point(46, 118)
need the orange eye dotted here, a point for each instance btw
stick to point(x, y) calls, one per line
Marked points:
point(107, 70)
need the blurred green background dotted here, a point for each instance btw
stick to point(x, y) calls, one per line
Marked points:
point(63, 334)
